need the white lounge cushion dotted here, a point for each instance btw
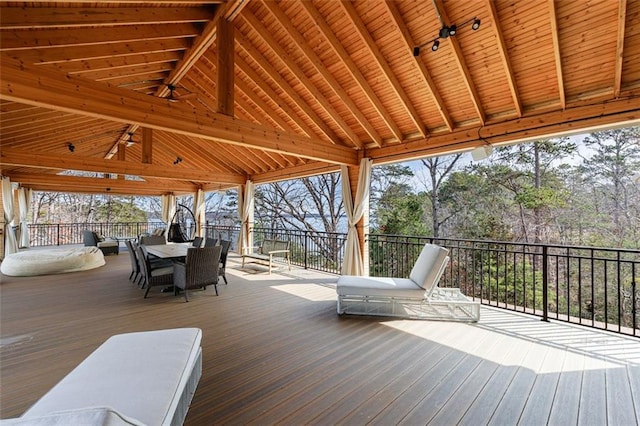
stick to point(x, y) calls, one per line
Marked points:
point(141, 375)
point(94, 416)
point(423, 272)
point(351, 285)
point(51, 261)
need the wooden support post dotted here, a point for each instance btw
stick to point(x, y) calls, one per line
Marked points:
point(363, 224)
point(147, 145)
point(225, 84)
point(121, 157)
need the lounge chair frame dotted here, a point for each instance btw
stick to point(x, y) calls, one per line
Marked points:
point(405, 298)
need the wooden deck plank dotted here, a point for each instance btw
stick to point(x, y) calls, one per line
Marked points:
point(276, 352)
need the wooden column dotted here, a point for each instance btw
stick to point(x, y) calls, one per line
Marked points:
point(121, 157)
point(225, 83)
point(147, 145)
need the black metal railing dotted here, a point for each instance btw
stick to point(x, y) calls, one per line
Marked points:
point(591, 286)
point(55, 234)
point(596, 287)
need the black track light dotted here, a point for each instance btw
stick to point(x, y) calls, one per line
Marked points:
point(446, 32)
point(71, 147)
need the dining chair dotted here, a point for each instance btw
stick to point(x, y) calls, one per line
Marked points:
point(211, 242)
point(223, 259)
point(199, 270)
point(135, 266)
point(154, 275)
point(197, 242)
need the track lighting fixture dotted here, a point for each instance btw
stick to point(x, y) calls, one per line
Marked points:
point(177, 161)
point(446, 32)
point(71, 147)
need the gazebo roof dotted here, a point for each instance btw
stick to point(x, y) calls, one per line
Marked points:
point(268, 90)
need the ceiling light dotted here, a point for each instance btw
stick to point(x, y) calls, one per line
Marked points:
point(446, 32)
point(71, 147)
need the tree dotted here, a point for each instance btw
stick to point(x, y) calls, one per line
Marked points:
point(612, 172)
point(438, 170)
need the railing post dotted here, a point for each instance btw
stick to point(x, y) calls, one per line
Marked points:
point(545, 284)
point(306, 249)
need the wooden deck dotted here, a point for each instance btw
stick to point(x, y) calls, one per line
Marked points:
point(275, 352)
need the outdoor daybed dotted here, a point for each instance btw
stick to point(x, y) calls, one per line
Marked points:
point(144, 378)
point(51, 261)
point(415, 297)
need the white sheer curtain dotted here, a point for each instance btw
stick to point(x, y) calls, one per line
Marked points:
point(198, 202)
point(354, 208)
point(10, 242)
point(24, 204)
point(168, 210)
point(245, 211)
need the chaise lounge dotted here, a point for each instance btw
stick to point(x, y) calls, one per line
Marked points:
point(417, 297)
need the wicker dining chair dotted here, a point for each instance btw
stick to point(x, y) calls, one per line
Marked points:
point(199, 270)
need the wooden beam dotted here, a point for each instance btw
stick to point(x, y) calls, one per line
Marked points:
point(225, 67)
point(556, 52)
point(424, 74)
point(300, 75)
point(504, 57)
point(79, 184)
point(39, 17)
point(313, 59)
point(22, 84)
point(622, 19)
point(569, 121)
point(350, 66)
point(22, 158)
point(385, 69)
point(147, 145)
point(462, 66)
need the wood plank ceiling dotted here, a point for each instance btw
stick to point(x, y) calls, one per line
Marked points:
point(271, 90)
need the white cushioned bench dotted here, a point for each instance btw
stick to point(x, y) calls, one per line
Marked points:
point(144, 378)
point(415, 297)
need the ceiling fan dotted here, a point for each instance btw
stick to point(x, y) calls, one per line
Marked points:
point(175, 97)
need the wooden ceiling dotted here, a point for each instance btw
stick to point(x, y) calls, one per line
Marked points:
point(270, 90)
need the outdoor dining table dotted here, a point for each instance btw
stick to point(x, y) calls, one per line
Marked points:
point(172, 251)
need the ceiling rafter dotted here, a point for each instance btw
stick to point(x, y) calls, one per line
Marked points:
point(81, 184)
point(424, 74)
point(70, 17)
point(462, 66)
point(351, 68)
point(553, 20)
point(319, 66)
point(48, 38)
point(622, 19)
point(504, 56)
point(20, 83)
point(381, 62)
point(267, 109)
point(89, 164)
point(84, 54)
point(275, 79)
point(299, 74)
point(200, 45)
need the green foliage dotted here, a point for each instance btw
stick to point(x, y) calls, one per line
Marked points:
point(118, 209)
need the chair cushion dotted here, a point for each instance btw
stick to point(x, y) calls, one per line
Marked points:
point(94, 416)
point(351, 285)
point(425, 273)
point(141, 375)
point(108, 243)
